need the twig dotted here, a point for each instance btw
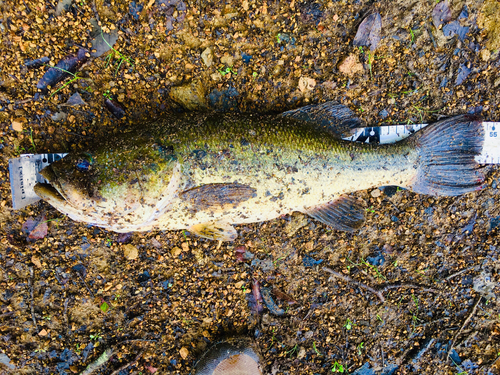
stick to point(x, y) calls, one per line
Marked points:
point(130, 363)
point(103, 358)
point(382, 354)
point(66, 301)
point(414, 286)
point(30, 285)
point(351, 280)
point(469, 317)
point(458, 273)
point(9, 313)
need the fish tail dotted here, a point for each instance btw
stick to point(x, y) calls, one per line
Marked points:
point(446, 157)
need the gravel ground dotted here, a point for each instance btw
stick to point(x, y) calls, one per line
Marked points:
point(413, 292)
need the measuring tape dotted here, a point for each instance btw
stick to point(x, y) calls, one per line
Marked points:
point(24, 169)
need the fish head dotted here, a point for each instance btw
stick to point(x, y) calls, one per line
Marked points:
point(121, 189)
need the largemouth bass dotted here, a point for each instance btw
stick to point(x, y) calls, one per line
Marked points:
point(206, 173)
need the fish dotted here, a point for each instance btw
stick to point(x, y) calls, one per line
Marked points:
point(206, 173)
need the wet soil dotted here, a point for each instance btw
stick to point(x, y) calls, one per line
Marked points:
point(157, 300)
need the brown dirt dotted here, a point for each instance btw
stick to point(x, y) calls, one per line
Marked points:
point(182, 294)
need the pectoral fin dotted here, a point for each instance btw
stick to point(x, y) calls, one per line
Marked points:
point(215, 231)
point(344, 213)
point(217, 195)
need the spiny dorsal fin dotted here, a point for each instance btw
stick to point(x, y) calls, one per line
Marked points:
point(215, 231)
point(333, 116)
point(344, 213)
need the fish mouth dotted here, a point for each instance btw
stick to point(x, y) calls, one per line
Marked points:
point(51, 190)
point(48, 193)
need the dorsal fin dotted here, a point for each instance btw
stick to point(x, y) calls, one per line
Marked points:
point(335, 117)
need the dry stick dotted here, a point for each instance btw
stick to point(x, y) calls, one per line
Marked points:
point(459, 273)
point(351, 280)
point(414, 286)
point(66, 301)
point(129, 364)
point(469, 317)
point(103, 358)
point(30, 285)
point(378, 292)
point(7, 314)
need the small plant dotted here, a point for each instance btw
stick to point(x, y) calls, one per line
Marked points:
point(278, 38)
point(74, 75)
point(337, 367)
point(107, 94)
point(48, 317)
point(379, 318)
point(95, 337)
point(370, 209)
point(348, 324)
point(33, 147)
point(373, 268)
point(360, 348)
point(121, 57)
point(316, 349)
point(412, 36)
point(293, 350)
point(228, 70)
point(254, 75)
point(104, 307)
point(108, 242)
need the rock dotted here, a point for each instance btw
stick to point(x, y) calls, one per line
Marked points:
point(485, 54)
point(375, 193)
point(298, 221)
point(227, 60)
point(463, 72)
point(17, 126)
point(351, 65)
point(489, 20)
point(130, 252)
point(441, 14)
point(369, 32)
point(190, 96)
point(306, 84)
point(74, 100)
point(184, 352)
point(208, 57)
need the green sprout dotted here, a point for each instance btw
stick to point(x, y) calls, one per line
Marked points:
point(316, 349)
point(254, 75)
point(412, 36)
point(228, 70)
point(104, 307)
point(95, 337)
point(374, 268)
point(348, 324)
point(293, 350)
point(74, 75)
point(278, 38)
point(121, 57)
point(337, 367)
point(107, 94)
point(32, 141)
point(370, 209)
point(379, 318)
point(360, 348)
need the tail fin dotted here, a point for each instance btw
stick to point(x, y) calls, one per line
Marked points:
point(446, 149)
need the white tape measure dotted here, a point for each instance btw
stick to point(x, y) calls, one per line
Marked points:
point(24, 170)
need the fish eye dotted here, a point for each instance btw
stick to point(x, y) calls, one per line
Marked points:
point(84, 162)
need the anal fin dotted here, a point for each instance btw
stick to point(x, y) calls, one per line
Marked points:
point(344, 213)
point(215, 231)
